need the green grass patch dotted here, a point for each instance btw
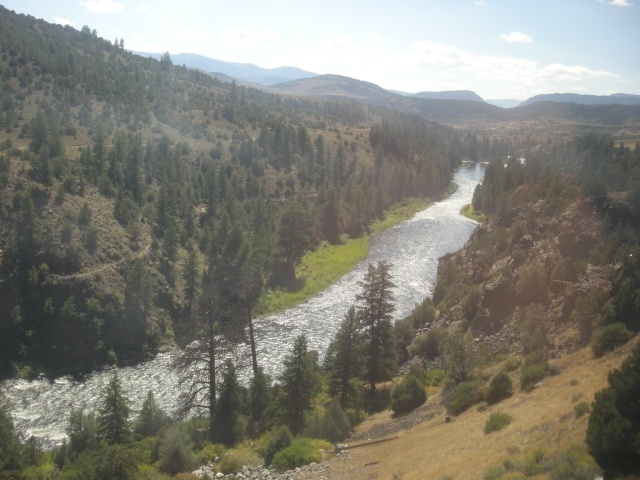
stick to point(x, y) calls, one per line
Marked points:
point(325, 265)
point(469, 212)
point(399, 213)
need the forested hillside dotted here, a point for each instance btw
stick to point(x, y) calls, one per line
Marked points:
point(129, 185)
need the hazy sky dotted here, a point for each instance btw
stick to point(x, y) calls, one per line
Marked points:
point(497, 48)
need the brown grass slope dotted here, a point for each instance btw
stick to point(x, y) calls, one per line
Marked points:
point(429, 448)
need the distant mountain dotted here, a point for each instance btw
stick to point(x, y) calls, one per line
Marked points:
point(335, 86)
point(223, 77)
point(615, 99)
point(504, 103)
point(449, 111)
point(450, 95)
point(612, 114)
point(240, 71)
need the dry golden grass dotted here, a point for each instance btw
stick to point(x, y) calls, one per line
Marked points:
point(542, 419)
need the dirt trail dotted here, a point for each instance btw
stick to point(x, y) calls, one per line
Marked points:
point(140, 254)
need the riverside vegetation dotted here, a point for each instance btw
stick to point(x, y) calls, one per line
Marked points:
point(145, 206)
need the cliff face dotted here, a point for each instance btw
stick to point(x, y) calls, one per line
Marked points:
point(534, 258)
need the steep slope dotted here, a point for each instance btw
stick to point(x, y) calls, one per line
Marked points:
point(422, 445)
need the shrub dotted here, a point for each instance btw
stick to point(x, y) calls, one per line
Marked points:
point(460, 397)
point(434, 378)
point(230, 464)
point(574, 464)
point(423, 314)
point(511, 364)
point(581, 408)
point(605, 339)
point(280, 440)
point(335, 425)
point(429, 344)
point(513, 476)
point(531, 464)
point(332, 424)
point(407, 395)
point(494, 473)
point(176, 454)
point(302, 451)
point(500, 388)
point(497, 421)
point(532, 374)
point(210, 451)
point(534, 369)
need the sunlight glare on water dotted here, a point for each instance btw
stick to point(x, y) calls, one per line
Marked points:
point(41, 407)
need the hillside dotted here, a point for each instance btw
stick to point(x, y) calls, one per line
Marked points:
point(130, 184)
point(423, 445)
point(334, 86)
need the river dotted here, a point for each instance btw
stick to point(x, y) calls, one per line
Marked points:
point(41, 407)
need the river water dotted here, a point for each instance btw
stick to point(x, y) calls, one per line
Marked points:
point(41, 407)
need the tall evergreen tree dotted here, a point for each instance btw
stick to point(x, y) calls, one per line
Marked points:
point(300, 383)
point(190, 275)
point(293, 235)
point(228, 408)
point(151, 418)
point(113, 415)
point(204, 342)
point(82, 430)
point(375, 311)
point(613, 433)
point(10, 448)
point(344, 359)
point(259, 402)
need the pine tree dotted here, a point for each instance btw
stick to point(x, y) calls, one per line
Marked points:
point(375, 311)
point(10, 447)
point(259, 402)
point(300, 383)
point(344, 360)
point(151, 418)
point(82, 430)
point(190, 276)
point(293, 235)
point(205, 341)
point(113, 416)
point(331, 218)
point(228, 408)
point(613, 433)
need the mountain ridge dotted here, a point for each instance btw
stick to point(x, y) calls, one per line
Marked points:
point(580, 99)
point(450, 95)
point(239, 71)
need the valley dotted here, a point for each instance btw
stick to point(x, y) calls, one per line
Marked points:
point(213, 266)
